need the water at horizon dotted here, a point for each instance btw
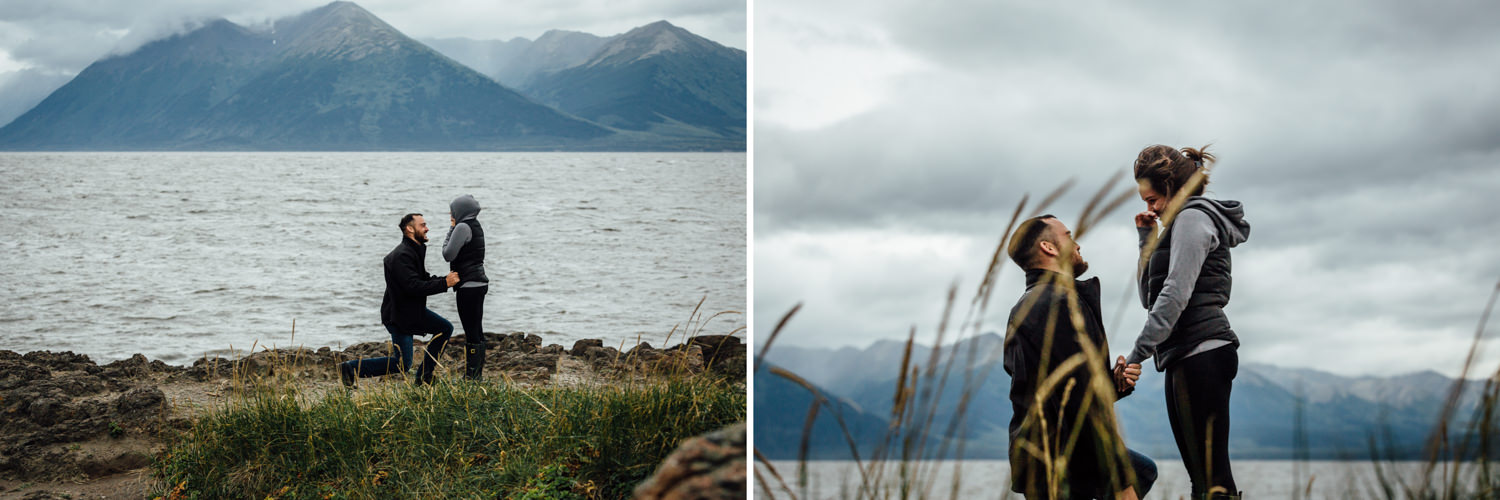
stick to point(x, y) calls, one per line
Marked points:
point(178, 255)
point(836, 479)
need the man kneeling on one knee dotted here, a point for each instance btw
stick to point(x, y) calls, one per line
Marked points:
point(404, 310)
point(1064, 441)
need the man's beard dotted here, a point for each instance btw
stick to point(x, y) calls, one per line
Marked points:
point(1080, 266)
point(422, 238)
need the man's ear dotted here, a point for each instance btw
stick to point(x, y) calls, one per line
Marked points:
point(1048, 248)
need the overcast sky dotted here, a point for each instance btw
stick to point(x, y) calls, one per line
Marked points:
point(43, 44)
point(894, 138)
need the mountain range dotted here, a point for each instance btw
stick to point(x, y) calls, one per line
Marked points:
point(1272, 408)
point(656, 78)
point(517, 61)
point(339, 78)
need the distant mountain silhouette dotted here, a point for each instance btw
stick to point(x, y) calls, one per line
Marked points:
point(484, 56)
point(334, 78)
point(1339, 415)
point(779, 429)
point(515, 63)
point(24, 89)
point(657, 78)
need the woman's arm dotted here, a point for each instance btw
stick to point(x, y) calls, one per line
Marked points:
point(1193, 236)
point(458, 236)
point(1144, 233)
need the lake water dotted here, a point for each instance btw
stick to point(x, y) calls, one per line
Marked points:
point(990, 479)
point(176, 255)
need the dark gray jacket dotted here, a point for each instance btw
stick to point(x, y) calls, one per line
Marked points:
point(407, 286)
point(1041, 335)
point(1185, 282)
point(464, 246)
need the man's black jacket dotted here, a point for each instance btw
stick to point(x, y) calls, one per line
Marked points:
point(407, 286)
point(1045, 308)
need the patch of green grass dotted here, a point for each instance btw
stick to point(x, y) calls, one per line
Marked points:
point(452, 440)
point(552, 483)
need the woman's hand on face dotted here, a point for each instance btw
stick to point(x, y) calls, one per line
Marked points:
point(1145, 219)
point(452, 222)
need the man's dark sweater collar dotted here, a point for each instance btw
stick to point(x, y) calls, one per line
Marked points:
point(420, 247)
point(1035, 276)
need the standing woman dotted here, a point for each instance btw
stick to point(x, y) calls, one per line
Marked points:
point(1184, 284)
point(464, 251)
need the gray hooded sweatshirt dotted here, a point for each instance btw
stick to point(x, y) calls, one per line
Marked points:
point(1194, 235)
point(463, 208)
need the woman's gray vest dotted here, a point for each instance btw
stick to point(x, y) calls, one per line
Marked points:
point(469, 264)
point(1203, 318)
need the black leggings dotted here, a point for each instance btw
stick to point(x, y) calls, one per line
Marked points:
point(471, 313)
point(1198, 408)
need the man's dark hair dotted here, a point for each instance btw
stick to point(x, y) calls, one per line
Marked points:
point(406, 221)
point(1022, 248)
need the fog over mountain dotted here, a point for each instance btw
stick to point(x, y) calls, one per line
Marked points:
point(27, 88)
point(334, 78)
point(42, 44)
point(515, 62)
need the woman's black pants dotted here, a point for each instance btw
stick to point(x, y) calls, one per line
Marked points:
point(1198, 407)
point(471, 314)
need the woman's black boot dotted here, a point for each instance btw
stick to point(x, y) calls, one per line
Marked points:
point(474, 361)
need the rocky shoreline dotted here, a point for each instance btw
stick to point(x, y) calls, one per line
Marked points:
point(67, 423)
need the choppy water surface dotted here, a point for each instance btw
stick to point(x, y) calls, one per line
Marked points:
point(831, 479)
point(175, 255)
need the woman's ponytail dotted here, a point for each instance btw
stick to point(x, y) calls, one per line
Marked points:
point(1167, 169)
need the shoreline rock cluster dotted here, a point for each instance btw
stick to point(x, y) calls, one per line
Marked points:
point(519, 355)
point(64, 416)
point(53, 403)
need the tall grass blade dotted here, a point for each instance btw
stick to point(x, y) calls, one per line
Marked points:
point(819, 399)
point(774, 473)
point(1438, 441)
point(1051, 197)
point(775, 332)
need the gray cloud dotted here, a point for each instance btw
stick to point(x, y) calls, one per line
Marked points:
point(722, 21)
point(40, 32)
point(1361, 139)
point(68, 35)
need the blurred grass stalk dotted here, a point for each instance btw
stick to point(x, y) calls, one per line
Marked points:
point(1450, 460)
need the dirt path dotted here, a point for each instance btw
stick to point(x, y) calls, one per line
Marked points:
point(132, 484)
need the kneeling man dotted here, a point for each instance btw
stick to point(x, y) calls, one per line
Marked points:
point(1064, 441)
point(404, 310)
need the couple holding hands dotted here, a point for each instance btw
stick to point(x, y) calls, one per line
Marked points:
point(404, 310)
point(1064, 438)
